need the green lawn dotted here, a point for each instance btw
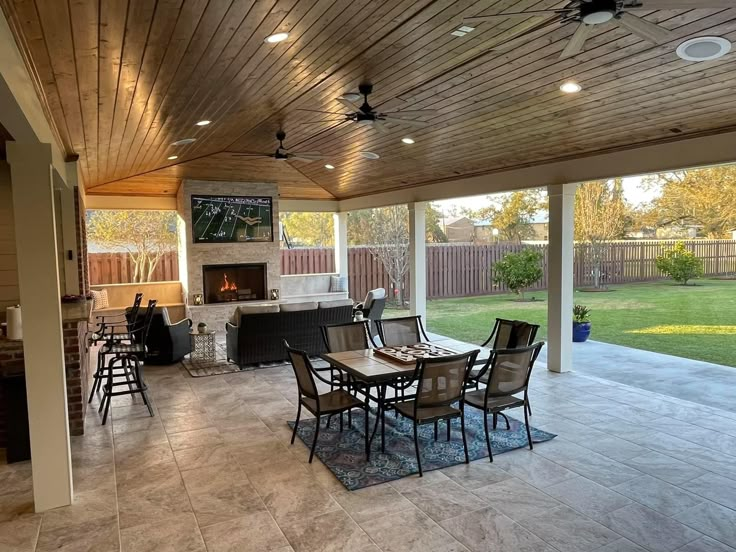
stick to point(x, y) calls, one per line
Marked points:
point(696, 322)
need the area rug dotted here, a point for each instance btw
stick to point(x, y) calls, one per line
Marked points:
point(344, 453)
point(198, 368)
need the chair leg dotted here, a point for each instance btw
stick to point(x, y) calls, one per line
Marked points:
point(528, 431)
point(341, 424)
point(462, 430)
point(142, 385)
point(488, 437)
point(449, 427)
point(416, 447)
point(436, 430)
point(367, 436)
point(527, 404)
point(508, 425)
point(107, 393)
point(296, 423)
point(314, 442)
point(495, 421)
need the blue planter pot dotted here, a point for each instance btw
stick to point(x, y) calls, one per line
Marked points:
point(580, 332)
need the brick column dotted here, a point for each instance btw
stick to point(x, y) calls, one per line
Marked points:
point(76, 363)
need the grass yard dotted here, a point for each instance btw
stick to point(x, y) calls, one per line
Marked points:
point(697, 322)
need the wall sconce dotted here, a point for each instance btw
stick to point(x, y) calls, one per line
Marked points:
point(274, 294)
point(198, 299)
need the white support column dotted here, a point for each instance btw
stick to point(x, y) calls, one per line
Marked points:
point(560, 276)
point(418, 258)
point(341, 243)
point(38, 275)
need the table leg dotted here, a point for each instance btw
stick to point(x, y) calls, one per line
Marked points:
point(379, 409)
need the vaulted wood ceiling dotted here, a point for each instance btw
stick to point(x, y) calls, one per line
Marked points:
point(123, 79)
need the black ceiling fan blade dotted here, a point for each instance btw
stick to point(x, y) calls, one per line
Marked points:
point(407, 122)
point(237, 154)
point(516, 15)
point(411, 113)
point(322, 121)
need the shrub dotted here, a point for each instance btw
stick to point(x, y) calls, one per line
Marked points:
point(680, 264)
point(519, 270)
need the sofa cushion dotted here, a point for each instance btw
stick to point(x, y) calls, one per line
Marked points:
point(336, 303)
point(338, 283)
point(251, 309)
point(294, 307)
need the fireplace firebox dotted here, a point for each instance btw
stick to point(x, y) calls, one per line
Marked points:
point(234, 282)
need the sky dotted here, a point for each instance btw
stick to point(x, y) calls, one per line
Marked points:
point(633, 190)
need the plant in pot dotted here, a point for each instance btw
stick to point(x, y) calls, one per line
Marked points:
point(580, 323)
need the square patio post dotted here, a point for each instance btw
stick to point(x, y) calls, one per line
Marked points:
point(418, 258)
point(341, 243)
point(560, 276)
point(38, 276)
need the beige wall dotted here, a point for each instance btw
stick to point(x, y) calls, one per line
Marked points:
point(198, 254)
point(9, 293)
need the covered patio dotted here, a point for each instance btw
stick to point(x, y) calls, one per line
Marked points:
point(165, 105)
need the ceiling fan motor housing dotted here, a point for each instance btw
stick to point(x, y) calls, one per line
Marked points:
point(597, 12)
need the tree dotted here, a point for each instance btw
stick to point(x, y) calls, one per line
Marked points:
point(600, 217)
point(386, 232)
point(512, 214)
point(701, 197)
point(519, 271)
point(680, 264)
point(310, 229)
point(435, 233)
point(145, 235)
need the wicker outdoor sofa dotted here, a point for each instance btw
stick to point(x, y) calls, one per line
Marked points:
point(259, 332)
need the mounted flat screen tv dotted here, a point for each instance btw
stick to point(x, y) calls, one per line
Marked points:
point(217, 219)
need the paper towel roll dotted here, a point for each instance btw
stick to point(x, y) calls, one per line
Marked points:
point(15, 326)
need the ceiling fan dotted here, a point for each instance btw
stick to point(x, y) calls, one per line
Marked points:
point(588, 14)
point(282, 154)
point(367, 115)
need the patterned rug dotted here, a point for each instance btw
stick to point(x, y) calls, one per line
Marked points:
point(344, 453)
point(198, 368)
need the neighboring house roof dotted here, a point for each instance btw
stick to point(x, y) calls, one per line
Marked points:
point(456, 220)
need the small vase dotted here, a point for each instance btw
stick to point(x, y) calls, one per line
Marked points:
point(202, 328)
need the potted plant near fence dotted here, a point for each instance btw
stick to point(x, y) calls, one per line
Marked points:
point(580, 323)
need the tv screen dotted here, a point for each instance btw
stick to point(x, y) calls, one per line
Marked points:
point(218, 219)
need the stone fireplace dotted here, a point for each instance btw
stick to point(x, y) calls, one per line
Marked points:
point(253, 267)
point(234, 282)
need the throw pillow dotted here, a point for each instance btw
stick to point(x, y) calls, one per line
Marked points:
point(104, 301)
point(338, 283)
point(96, 299)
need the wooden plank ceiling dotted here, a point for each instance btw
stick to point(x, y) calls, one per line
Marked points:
point(123, 79)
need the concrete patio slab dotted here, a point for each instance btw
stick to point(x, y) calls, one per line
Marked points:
point(683, 378)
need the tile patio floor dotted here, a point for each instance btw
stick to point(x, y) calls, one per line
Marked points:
point(631, 470)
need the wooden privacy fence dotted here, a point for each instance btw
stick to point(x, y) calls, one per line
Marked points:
point(456, 270)
point(118, 268)
point(453, 270)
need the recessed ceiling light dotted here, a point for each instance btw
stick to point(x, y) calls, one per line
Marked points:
point(458, 33)
point(329, 167)
point(203, 123)
point(278, 37)
point(407, 140)
point(570, 87)
point(172, 157)
point(184, 142)
point(704, 48)
point(466, 29)
point(369, 155)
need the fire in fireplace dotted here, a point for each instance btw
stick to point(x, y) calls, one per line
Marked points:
point(239, 282)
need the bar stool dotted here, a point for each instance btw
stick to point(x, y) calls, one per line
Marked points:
point(109, 335)
point(130, 356)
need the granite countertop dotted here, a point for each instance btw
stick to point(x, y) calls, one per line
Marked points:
point(76, 312)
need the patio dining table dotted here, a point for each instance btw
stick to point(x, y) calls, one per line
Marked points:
point(379, 372)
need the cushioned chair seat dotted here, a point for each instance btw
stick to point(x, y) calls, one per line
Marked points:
point(476, 399)
point(334, 401)
point(426, 414)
